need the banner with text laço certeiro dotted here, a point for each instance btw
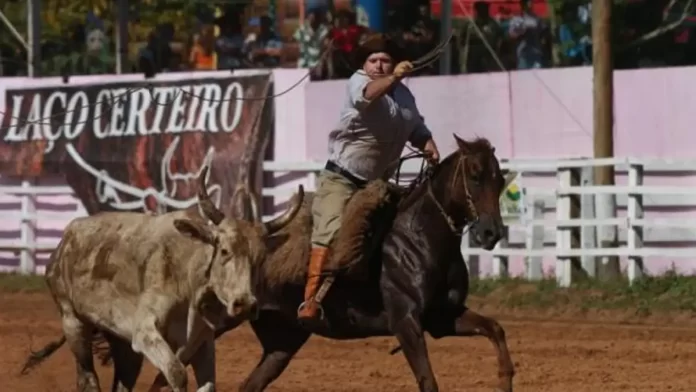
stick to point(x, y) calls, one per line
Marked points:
point(138, 145)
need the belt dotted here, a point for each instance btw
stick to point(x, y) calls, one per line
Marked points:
point(334, 168)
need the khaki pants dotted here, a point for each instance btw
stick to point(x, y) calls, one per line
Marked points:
point(332, 195)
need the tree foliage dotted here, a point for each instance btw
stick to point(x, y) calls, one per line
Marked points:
point(65, 21)
point(60, 17)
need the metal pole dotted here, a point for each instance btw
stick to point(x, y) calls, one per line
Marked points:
point(445, 29)
point(122, 36)
point(603, 126)
point(13, 31)
point(34, 29)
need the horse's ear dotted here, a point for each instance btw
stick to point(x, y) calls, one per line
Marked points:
point(462, 144)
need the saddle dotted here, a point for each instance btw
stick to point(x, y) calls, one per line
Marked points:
point(371, 211)
point(370, 214)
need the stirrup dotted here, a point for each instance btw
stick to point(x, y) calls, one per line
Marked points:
point(320, 309)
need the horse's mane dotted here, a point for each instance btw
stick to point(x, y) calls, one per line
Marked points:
point(480, 144)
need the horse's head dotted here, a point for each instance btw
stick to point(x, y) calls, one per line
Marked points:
point(476, 185)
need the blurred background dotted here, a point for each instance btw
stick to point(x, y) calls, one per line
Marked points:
point(82, 36)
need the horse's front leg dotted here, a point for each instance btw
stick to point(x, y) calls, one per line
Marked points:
point(470, 323)
point(409, 332)
point(404, 323)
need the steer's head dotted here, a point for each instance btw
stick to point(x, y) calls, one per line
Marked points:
point(237, 248)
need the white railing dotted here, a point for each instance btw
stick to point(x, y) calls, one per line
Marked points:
point(564, 224)
point(28, 246)
point(530, 227)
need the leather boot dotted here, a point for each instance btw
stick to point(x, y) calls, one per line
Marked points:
point(308, 311)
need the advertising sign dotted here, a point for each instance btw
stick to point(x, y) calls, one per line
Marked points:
point(139, 145)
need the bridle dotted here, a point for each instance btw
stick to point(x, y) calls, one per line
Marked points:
point(425, 175)
point(472, 216)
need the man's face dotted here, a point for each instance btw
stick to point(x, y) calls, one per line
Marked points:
point(378, 64)
point(95, 40)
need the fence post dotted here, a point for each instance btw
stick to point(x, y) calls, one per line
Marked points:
point(535, 233)
point(500, 263)
point(635, 232)
point(471, 261)
point(27, 262)
point(564, 265)
point(588, 234)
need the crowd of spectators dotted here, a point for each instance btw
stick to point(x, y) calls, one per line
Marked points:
point(324, 43)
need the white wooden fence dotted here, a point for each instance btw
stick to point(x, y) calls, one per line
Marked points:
point(531, 224)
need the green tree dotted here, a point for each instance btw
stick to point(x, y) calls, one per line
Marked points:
point(61, 18)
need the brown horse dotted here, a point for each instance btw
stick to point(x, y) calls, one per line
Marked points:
point(415, 282)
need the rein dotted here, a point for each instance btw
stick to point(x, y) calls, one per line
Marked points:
point(425, 175)
point(470, 206)
point(421, 173)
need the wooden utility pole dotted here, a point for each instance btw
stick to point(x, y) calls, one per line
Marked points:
point(603, 112)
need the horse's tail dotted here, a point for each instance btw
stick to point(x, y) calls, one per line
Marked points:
point(37, 357)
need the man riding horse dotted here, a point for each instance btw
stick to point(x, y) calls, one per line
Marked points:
point(378, 117)
point(420, 282)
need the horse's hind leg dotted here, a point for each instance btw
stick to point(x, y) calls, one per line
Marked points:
point(470, 323)
point(280, 339)
point(127, 364)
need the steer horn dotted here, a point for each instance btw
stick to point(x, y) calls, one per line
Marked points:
point(278, 223)
point(208, 207)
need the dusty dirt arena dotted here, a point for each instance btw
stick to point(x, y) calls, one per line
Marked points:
point(558, 356)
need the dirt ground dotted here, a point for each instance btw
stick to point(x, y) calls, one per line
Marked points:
point(593, 354)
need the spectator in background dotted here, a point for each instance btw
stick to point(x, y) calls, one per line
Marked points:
point(422, 36)
point(312, 38)
point(230, 43)
point(201, 56)
point(156, 56)
point(585, 13)
point(508, 50)
point(476, 51)
point(527, 29)
point(265, 49)
point(97, 57)
point(573, 37)
point(345, 35)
